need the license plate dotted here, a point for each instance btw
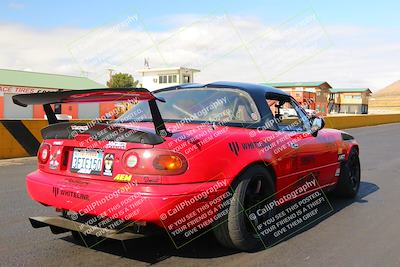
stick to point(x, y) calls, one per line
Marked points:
point(87, 161)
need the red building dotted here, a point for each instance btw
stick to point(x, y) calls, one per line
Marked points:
point(19, 82)
point(306, 99)
point(308, 91)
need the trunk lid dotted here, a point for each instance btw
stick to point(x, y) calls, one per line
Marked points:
point(92, 151)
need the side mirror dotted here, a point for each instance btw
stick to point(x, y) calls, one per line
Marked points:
point(317, 124)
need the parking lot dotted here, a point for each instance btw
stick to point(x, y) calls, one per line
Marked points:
point(363, 232)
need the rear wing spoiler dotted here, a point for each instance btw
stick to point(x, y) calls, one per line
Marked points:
point(93, 95)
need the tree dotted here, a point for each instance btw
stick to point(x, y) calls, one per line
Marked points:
point(122, 80)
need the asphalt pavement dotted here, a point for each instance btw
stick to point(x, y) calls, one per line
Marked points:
point(360, 232)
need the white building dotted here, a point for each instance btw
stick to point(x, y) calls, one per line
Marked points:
point(156, 78)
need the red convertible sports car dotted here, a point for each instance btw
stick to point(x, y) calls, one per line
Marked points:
point(186, 160)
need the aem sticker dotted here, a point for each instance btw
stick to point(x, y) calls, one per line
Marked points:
point(123, 177)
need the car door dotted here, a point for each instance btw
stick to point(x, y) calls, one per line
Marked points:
point(309, 156)
point(315, 155)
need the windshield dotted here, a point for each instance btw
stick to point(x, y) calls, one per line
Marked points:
point(198, 105)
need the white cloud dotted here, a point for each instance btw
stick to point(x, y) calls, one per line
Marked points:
point(224, 48)
point(16, 5)
point(26, 48)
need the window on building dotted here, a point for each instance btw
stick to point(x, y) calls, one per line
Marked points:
point(352, 97)
point(167, 79)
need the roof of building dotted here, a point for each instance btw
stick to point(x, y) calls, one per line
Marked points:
point(349, 90)
point(296, 84)
point(167, 69)
point(46, 80)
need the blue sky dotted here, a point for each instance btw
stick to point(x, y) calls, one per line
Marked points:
point(363, 37)
point(88, 14)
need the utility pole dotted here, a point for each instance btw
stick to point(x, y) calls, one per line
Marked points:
point(110, 73)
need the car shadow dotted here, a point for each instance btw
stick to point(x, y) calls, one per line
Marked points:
point(154, 249)
point(335, 205)
point(157, 248)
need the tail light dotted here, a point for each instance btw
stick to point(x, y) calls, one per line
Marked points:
point(43, 153)
point(167, 162)
point(154, 162)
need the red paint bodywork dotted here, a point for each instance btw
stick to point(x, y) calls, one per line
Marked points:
point(211, 162)
point(215, 155)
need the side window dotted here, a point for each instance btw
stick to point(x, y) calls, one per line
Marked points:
point(288, 115)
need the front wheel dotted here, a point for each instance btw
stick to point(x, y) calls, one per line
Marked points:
point(350, 176)
point(250, 191)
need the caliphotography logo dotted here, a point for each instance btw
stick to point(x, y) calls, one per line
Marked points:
point(199, 133)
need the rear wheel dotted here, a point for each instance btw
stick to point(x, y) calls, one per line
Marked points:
point(250, 189)
point(350, 174)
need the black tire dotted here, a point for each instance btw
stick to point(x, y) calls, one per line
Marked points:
point(254, 185)
point(350, 176)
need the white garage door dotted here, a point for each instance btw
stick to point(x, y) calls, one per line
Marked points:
point(12, 111)
point(88, 111)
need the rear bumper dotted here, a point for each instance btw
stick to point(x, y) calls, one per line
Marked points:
point(129, 202)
